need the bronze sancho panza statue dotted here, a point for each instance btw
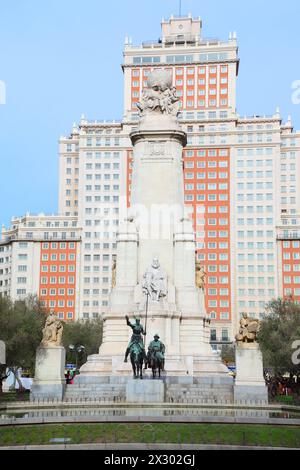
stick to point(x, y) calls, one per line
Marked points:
point(156, 355)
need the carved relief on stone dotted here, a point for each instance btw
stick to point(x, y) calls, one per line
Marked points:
point(159, 96)
point(200, 276)
point(249, 328)
point(52, 333)
point(155, 281)
point(156, 148)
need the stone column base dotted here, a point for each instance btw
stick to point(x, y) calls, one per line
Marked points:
point(49, 381)
point(249, 383)
point(257, 394)
point(145, 391)
point(45, 391)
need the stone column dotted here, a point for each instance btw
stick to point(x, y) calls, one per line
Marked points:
point(2, 353)
point(115, 330)
point(189, 298)
point(157, 188)
point(127, 246)
point(184, 255)
point(249, 382)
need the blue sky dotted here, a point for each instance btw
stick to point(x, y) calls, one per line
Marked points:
point(53, 55)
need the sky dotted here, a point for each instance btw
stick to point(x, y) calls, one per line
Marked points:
point(61, 58)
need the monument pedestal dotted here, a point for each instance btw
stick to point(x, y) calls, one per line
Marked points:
point(145, 391)
point(49, 381)
point(249, 383)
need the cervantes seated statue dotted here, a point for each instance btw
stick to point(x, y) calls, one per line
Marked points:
point(52, 333)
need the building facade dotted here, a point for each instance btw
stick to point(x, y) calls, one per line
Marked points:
point(241, 180)
point(40, 256)
point(93, 168)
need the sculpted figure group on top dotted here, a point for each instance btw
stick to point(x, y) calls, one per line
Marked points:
point(160, 96)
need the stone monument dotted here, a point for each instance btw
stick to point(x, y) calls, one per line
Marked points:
point(49, 380)
point(2, 353)
point(249, 383)
point(156, 256)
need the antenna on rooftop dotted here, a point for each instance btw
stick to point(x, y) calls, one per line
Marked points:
point(180, 7)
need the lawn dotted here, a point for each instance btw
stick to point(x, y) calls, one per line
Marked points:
point(14, 397)
point(252, 435)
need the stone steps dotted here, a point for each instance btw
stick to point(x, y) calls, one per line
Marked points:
point(204, 392)
point(108, 388)
point(95, 391)
point(199, 393)
point(195, 389)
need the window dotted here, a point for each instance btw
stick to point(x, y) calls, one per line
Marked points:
point(21, 291)
point(213, 333)
point(225, 336)
point(22, 268)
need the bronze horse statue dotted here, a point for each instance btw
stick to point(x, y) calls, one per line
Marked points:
point(156, 363)
point(137, 361)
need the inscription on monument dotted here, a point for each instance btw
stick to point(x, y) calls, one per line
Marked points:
point(156, 148)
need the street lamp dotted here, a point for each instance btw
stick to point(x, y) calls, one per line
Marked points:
point(77, 350)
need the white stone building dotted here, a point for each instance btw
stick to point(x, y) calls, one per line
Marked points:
point(93, 168)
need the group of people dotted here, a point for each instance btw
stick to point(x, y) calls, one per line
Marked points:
point(70, 376)
point(282, 386)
